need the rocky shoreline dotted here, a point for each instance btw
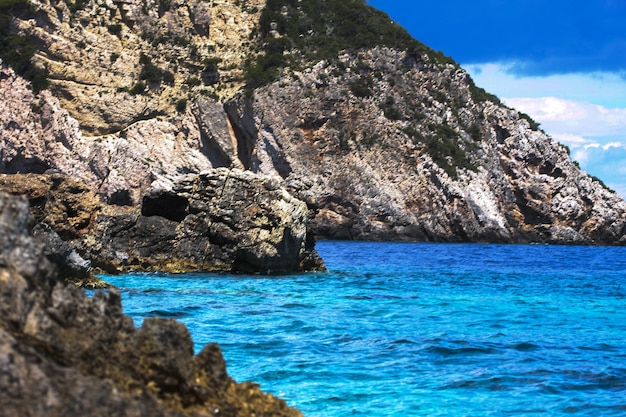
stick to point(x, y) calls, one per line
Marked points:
point(63, 353)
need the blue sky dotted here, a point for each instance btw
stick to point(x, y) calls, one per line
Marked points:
point(562, 62)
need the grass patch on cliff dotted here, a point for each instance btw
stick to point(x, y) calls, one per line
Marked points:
point(152, 74)
point(533, 124)
point(479, 94)
point(316, 30)
point(389, 109)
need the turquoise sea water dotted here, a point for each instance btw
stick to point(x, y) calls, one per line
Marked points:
point(407, 329)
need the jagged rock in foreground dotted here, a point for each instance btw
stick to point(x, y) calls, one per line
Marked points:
point(219, 220)
point(62, 353)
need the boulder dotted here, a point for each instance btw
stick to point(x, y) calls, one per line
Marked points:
point(62, 210)
point(219, 220)
point(58, 200)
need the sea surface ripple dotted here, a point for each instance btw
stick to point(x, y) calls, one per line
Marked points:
point(416, 329)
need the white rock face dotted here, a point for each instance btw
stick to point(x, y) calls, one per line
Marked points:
point(39, 135)
point(480, 195)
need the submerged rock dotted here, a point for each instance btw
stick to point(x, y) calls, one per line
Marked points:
point(62, 353)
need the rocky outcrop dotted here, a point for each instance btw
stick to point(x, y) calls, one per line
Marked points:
point(62, 353)
point(219, 220)
point(394, 141)
point(422, 154)
point(63, 210)
point(63, 203)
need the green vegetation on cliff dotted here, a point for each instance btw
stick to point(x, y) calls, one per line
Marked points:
point(295, 34)
point(321, 29)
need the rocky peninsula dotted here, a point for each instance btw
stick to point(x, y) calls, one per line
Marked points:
point(218, 220)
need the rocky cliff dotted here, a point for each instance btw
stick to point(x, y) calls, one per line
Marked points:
point(385, 138)
point(62, 353)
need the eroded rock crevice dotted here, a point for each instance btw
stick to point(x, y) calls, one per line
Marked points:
point(241, 119)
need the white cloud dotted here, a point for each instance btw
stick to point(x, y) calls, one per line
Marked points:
point(615, 145)
point(573, 141)
point(567, 117)
point(607, 161)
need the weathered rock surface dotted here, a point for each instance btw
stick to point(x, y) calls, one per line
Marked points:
point(423, 157)
point(39, 135)
point(62, 353)
point(219, 220)
point(393, 144)
point(113, 63)
point(63, 210)
point(63, 203)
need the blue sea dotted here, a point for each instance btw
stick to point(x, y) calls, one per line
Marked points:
point(416, 329)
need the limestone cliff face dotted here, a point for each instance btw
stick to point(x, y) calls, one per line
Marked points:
point(39, 134)
point(384, 142)
point(112, 63)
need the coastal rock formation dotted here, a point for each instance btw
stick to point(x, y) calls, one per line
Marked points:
point(219, 220)
point(394, 140)
point(62, 210)
point(63, 203)
point(63, 353)
point(422, 156)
